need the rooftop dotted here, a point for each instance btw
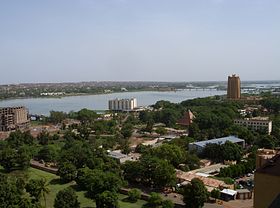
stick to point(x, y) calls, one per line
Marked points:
point(222, 140)
point(229, 192)
point(272, 167)
point(117, 155)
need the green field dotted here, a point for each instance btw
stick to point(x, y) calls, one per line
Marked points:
point(55, 186)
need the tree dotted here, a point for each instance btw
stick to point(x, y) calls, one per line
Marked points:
point(172, 153)
point(215, 193)
point(8, 158)
point(47, 153)
point(57, 116)
point(231, 151)
point(195, 194)
point(127, 130)
point(134, 195)
point(132, 171)
point(10, 193)
point(43, 138)
point(66, 198)
point(67, 172)
point(96, 181)
point(86, 115)
point(107, 199)
point(37, 189)
point(19, 138)
point(157, 173)
point(167, 204)
point(161, 130)
point(154, 200)
point(24, 156)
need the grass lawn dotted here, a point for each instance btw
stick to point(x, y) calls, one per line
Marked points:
point(55, 186)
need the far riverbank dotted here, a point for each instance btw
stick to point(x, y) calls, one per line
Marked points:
point(42, 106)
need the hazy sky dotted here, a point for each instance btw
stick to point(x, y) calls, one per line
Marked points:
point(149, 40)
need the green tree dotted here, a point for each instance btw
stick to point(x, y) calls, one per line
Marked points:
point(47, 153)
point(154, 200)
point(19, 138)
point(96, 181)
point(86, 115)
point(107, 199)
point(57, 116)
point(167, 204)
point(8, 158)
point(215, 193)
point(67, 172)
point(66, 198)
point(43, 138)
point(133, 171)
point(161, 130)
point(127, 130)
point(37, 189)
point(134, 195)
point(24, 155)
point(10, 193)
point(172, 153)
point(157, 173)
point(195, 194)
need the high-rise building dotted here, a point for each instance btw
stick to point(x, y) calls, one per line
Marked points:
point(267, 180)
point(12, 118)
point(233, 89)
point(123, 104)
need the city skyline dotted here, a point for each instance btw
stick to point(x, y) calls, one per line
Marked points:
point(127, 40)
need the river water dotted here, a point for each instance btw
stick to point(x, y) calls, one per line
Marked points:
point(42, 106)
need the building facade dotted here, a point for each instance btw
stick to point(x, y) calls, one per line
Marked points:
point(12, 118)
point(267, 180)
point(122, 104)
point(256, 123)
point(234, 87)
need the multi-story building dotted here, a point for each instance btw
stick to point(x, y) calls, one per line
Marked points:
point(123, 104)
point(255, 123)
point(233, 89)
point(267, 180)
point(12, 118)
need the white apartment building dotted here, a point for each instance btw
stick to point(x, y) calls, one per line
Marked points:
point(123, 104)
point(256, 123)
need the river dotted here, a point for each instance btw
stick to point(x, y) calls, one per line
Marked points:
point(42, 106)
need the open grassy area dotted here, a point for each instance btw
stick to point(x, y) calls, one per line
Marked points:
point(55, 186)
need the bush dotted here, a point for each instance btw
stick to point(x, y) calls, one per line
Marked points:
point(134, 195)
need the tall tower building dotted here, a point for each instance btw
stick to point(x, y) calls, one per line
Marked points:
point(233, 89)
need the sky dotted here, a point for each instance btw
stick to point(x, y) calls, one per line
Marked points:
point(138, 40)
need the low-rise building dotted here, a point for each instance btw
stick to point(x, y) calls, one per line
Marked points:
point(210, 183)
point(122, 158)
point(243, 194)
point(255, 123)
point(228, 194)
point(199, 146)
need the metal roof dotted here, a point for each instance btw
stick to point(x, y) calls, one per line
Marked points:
point(222, 140)
point(229, 192)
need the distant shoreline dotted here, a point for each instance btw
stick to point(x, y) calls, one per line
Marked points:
point(88, 94)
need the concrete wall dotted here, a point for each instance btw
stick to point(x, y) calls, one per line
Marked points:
point(267, 187)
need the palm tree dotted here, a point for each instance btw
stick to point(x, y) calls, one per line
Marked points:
point(38, 189)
